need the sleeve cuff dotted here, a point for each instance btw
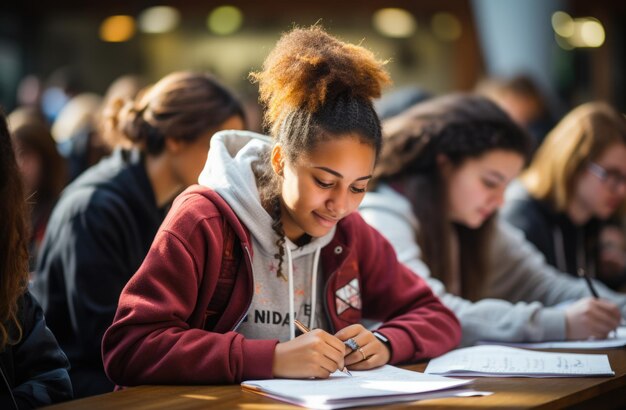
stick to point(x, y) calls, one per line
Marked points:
point(552, 324)
point(258, 359)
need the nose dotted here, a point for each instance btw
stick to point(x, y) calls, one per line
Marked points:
point(498, 198)
point(337, 203)
point(620, 189)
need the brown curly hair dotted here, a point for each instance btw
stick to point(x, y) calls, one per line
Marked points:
point(13, 239)
point(315, 88)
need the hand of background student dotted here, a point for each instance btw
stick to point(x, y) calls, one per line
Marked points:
point(376, 353)
point(314, 354)
point(591, 318)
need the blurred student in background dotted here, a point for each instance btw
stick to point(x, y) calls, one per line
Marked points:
point(33, 369)
point(105, 221)
point(576, 181)
point(394, 102)
point(523, 100)
point(441, 178)
point(75, 131)
point(43, 172)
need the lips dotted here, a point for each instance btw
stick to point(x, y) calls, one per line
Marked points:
point(325, 220)
point(613, 205)
point(484, 213)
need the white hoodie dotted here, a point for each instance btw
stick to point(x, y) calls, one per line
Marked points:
point(276, 302)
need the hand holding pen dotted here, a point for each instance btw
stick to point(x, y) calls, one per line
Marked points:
point(305, 329)
point(312, 354)
point(593, 317)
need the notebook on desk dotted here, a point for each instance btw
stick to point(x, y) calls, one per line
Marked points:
point(618, 339)
point(387, 384)
point(504, 361)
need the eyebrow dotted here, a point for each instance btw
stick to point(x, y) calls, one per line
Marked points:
point(338, 175)
point(497, 175)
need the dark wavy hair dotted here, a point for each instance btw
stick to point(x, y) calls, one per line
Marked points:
point(459, 126)
point(315, 88)
point(13, 239)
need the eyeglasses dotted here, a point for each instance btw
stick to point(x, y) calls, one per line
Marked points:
point(611, 177)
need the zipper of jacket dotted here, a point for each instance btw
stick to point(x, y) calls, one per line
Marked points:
point(325, 304)
point(249, 263)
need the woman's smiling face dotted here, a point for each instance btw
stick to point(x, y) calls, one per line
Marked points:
point(323, 186)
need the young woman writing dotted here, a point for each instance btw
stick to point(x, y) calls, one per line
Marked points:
point(441, 178)
point(270, 236)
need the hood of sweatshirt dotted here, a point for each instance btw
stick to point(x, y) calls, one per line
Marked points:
point(229, 170)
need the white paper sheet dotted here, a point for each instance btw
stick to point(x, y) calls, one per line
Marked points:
point(503, 361)
point(386, 384)
point(617, 339)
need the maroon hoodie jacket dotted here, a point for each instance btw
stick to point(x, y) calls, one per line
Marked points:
point(167, 331)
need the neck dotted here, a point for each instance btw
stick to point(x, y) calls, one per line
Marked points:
point(294, 233)
point(578, 213)
point(164, 184)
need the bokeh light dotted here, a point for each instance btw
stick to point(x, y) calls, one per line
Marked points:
point(394, 22)
point(116, 29)
point(225, 20)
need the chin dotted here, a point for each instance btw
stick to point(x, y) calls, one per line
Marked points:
point(605, 214)
point(317, 233)
point(475, 223)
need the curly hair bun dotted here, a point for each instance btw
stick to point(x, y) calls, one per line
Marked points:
point(309, 68)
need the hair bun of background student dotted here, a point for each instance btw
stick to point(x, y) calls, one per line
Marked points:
point(182, 105)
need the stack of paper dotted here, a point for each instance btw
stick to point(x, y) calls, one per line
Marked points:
point(502, 361)
point(387, 384)
point(617, 339)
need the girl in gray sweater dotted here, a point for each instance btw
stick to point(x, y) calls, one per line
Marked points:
point(441, 177)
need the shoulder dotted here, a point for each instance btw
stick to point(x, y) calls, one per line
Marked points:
point(521, 209)
point(518, 197)
point(103, 188)
point(386, 199)
point(385, 206)
point(197, 207)
point(356, 233)
point(29, 312)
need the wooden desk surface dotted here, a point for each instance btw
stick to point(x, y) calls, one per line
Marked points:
point(509, 393)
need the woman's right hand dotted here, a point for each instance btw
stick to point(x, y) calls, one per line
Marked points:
point(314, 354)
point(591, 318)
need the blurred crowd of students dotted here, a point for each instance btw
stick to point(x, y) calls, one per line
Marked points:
point(103, 213)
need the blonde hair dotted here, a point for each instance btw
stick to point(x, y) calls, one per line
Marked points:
point(581, 137)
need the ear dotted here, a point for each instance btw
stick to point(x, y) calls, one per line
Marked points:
point(444, 164)
point(277, 160)
point(173, 146)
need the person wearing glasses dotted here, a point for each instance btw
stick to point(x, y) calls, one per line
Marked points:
point(574, 185)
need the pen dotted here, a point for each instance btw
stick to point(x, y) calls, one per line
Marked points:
point(583, 274)
point(305, 329)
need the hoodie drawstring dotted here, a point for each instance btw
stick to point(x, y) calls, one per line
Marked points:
point(292, 326)
point(316, 257)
